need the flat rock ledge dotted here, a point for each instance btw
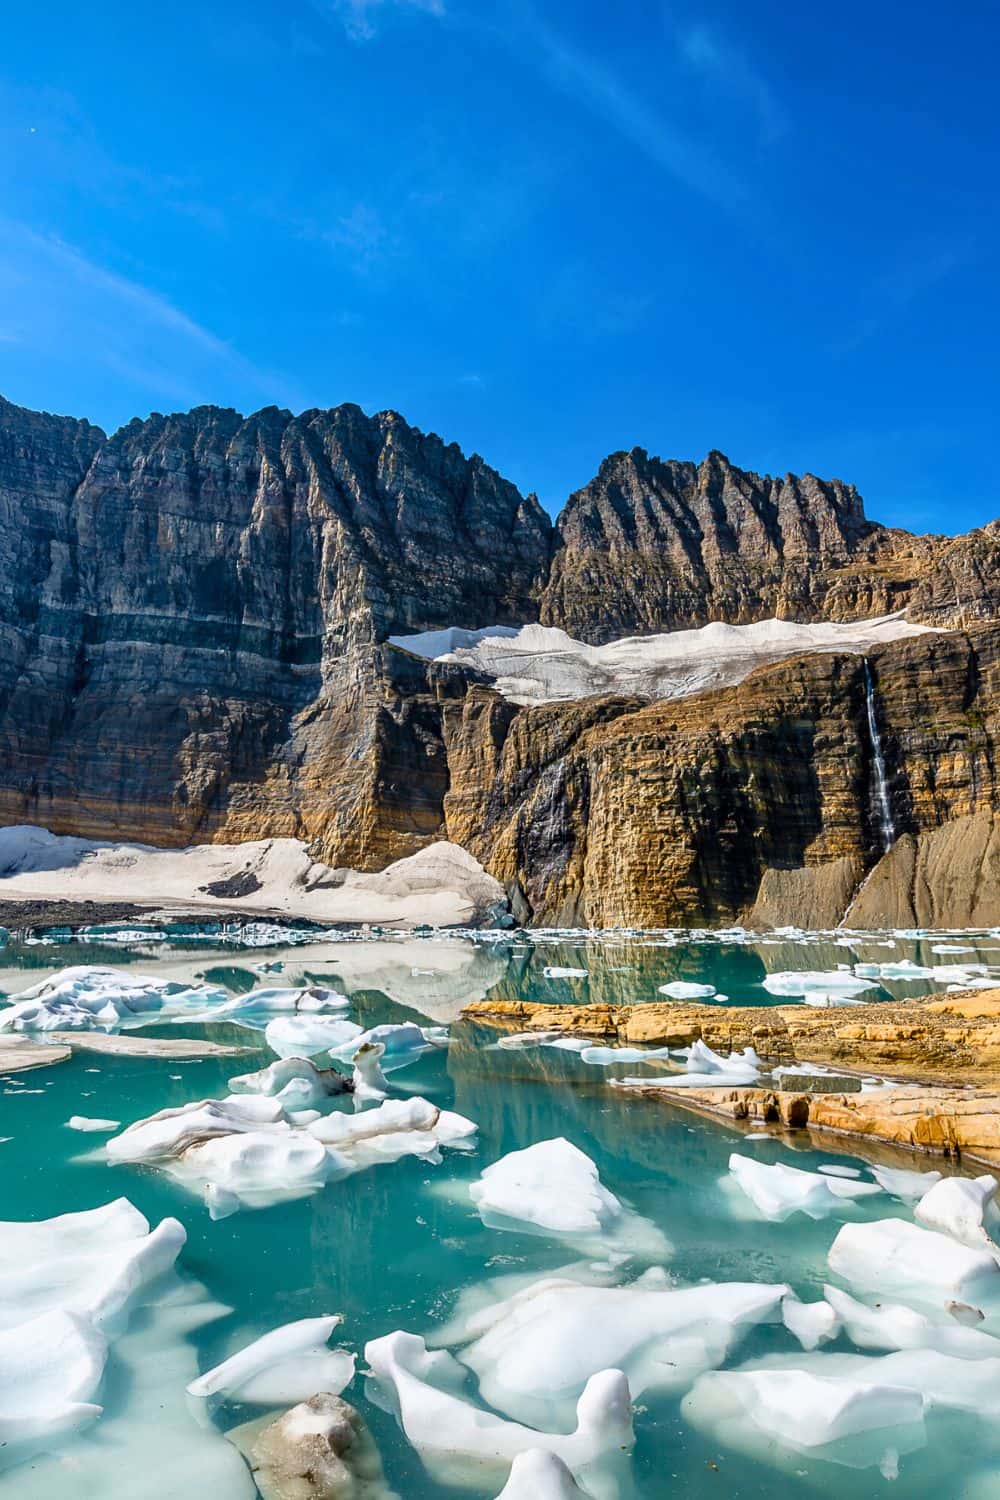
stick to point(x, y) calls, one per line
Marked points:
point(19, 1052)
point(944, 1049)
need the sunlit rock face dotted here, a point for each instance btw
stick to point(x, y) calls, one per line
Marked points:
point(196, 613)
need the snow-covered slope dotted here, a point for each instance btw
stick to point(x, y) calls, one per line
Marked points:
point(442, 885)
point(539, 664)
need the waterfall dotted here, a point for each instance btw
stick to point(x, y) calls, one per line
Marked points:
point(887, 828)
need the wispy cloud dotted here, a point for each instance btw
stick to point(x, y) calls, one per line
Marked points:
point(360, 17)
point(77, 308)
point(590, 82)
point(729, 71)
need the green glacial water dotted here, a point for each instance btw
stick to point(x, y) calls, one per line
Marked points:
point(401, 1245)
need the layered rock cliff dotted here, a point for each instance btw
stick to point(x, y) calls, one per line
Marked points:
point(195, 614)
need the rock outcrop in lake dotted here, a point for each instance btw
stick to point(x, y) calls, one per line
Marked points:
point(196, 613)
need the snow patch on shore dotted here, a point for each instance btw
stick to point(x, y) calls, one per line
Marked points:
point(440, 886)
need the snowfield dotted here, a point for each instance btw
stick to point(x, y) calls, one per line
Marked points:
point(540, 664)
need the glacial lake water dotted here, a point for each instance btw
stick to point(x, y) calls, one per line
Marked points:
point(397, 1245)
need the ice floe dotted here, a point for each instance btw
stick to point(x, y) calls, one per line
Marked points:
point(95, 1126)
point(368, 1080)
point(778, 1191)
point(907, 1186)
point(534, 1351)
point(682, 989)
point(704, 1069)
point(808, 1412)
point(295, 1082)
point(553, 1188)
point(892, 1326)
point(67, 1288)
point(812, 1323)
point(284, 1366)
point(895, 1256)
point(90, 997)
point(552, 971)
point(306, 1036)
point(959, 1206)
point(804, 982)
point(452, 1435)
point(247, 1151)
point(539, 1475)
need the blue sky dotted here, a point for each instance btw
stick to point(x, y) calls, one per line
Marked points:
point(545, 229)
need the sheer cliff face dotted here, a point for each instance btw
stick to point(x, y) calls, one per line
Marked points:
point(194, 616)
point(650, 546)
point(193, 608)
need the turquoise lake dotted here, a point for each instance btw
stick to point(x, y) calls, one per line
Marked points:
point(395, 1246)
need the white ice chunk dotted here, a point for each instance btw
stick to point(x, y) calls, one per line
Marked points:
point(812, 1323)
point(170, 1132)
point(368, 1079)
point(682, 989)
point(801, 1410)
point(803, 982)
point(552, 971)
point(539, 1475)
point(893, 1255)
point(905, 1185)
point(552, 1185)
point(97, 1277)
point(442, 1425)
point(50, 1373)
point(892, 1326)
point(958, 1206)
point(86, 1123)
point(305, 1036)
point(295, 1082)
point(258, 1168)
point(778, 1191)
point(285, 1366)
point(535, 1351)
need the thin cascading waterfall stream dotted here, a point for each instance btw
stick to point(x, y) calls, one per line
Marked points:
point(883, 802)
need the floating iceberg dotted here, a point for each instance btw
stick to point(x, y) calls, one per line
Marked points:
point(831, 982)
point(808, 1412)
point(908, 1187)
point(539, 1475)
point(893, 1255)
point(682, 989)
point(295, 1082)
point(554, 1188)
point(812, 1323)
point(94, 998)
point(958, 1206)
point(892, 1326)
point(704, 1069)
point(450, 1432)
point(553, 972)
point(534, 1352)
point(86, 1123)
point(286, 1365)
point(778, 1191)
point(305, 1036)
point(246, 1151)
point(50, 1372)
point(67, 1287)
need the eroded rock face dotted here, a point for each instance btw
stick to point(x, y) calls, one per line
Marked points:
point(193, 617)
point(650, 546)
point(195, 613)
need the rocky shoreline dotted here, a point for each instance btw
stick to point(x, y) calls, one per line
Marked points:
point(943, 1052)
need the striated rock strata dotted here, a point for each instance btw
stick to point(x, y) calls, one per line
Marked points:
point(195, 614)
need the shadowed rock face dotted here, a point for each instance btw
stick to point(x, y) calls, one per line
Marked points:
point(195, 610)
